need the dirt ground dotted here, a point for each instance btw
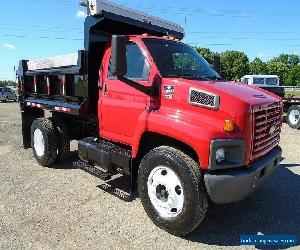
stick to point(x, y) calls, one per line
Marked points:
point(64, 208)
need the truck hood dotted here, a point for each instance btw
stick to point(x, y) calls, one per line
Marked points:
point(249, 94)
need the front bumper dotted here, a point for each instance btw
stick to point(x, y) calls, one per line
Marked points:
point(232, 185)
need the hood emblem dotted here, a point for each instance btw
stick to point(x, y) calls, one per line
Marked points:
point(169, 91)
point(272, 130)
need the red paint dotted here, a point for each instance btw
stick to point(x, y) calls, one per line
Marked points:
point(125, 113)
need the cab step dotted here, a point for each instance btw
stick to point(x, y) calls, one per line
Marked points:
point(114, 158)
point(95, 171)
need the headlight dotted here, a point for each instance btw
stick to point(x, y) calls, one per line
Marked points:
point(227, 153)
point(220, 155)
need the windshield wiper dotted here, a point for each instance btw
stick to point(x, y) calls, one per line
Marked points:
point(197, 77)
point(213, 78)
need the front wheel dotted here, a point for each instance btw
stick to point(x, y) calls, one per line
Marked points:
point(172, 190)
point(293, 117)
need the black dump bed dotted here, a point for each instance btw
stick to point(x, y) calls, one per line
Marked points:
point(69, 83)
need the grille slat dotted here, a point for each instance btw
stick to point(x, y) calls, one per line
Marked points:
point(259, 124)
point(266, 130)
point(266, 140)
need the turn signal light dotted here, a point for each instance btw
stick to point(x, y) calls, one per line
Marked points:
point(228, 125)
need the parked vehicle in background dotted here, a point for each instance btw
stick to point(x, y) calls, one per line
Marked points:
point(143, 104)
point(7, 94)
point(268, 82)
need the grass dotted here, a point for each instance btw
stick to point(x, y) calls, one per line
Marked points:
point(295, 93)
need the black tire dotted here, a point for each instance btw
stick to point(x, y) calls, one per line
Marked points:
point(292, 121)
point(49, 134)
point(195, 195)
point(63, 140)
point(27, 120)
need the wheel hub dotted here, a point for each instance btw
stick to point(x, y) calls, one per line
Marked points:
point(38, 142)
point(165, 192)
point(162, 193)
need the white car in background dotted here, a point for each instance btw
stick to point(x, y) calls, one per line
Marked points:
point(7, 94)
point(261, 80)
point(267, 82)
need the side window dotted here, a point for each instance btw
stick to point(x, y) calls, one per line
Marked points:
point(245, 80)
point(137, 65)
point(271, 81)
point(258, 81)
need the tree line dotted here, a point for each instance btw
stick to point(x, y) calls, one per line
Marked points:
point(7, 83)
point(236, 64)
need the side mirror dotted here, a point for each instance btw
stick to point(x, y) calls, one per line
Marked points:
point(217, 64)
point(118, 57)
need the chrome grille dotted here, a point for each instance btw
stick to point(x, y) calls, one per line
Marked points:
point(266, 130)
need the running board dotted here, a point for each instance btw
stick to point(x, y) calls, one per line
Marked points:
point(97, 172)
point(108, 155)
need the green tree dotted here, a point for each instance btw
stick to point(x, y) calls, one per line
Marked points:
point(7, 83)
point(235, 64)
point(293, 76)
point(279, 68)
point(293, 60)
point(289, 60)
point(208, 55)
point(283, 58)
point(257, 66)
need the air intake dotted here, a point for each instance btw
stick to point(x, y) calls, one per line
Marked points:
point(202, 98)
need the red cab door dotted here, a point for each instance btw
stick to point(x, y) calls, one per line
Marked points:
point(121, 106)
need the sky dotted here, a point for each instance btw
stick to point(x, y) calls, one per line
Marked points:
point(31, 29)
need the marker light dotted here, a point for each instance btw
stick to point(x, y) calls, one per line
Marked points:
point(228, 125)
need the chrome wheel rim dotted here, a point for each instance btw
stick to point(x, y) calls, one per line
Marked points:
point(38, 142)
point(294, 117)
point(165, 192)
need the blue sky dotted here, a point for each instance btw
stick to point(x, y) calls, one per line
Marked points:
point(33, 28)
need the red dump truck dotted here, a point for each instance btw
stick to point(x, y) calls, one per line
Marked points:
point(143, 104)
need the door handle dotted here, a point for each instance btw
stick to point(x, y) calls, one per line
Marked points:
point(105, 89)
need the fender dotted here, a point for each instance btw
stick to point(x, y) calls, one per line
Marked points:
point(191, 130)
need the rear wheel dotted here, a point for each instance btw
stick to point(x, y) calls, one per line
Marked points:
point(172, 190)
point(293, 116)
point(44, 141)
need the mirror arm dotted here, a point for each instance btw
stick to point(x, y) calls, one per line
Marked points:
point(152, 91)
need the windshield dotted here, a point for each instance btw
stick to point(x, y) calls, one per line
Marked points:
point(175, 59)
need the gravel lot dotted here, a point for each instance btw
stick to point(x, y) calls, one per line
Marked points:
point(64, 208)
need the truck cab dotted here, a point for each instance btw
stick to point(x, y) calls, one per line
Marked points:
point(142, 103)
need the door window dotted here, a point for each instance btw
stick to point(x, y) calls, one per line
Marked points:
point(137, 66)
